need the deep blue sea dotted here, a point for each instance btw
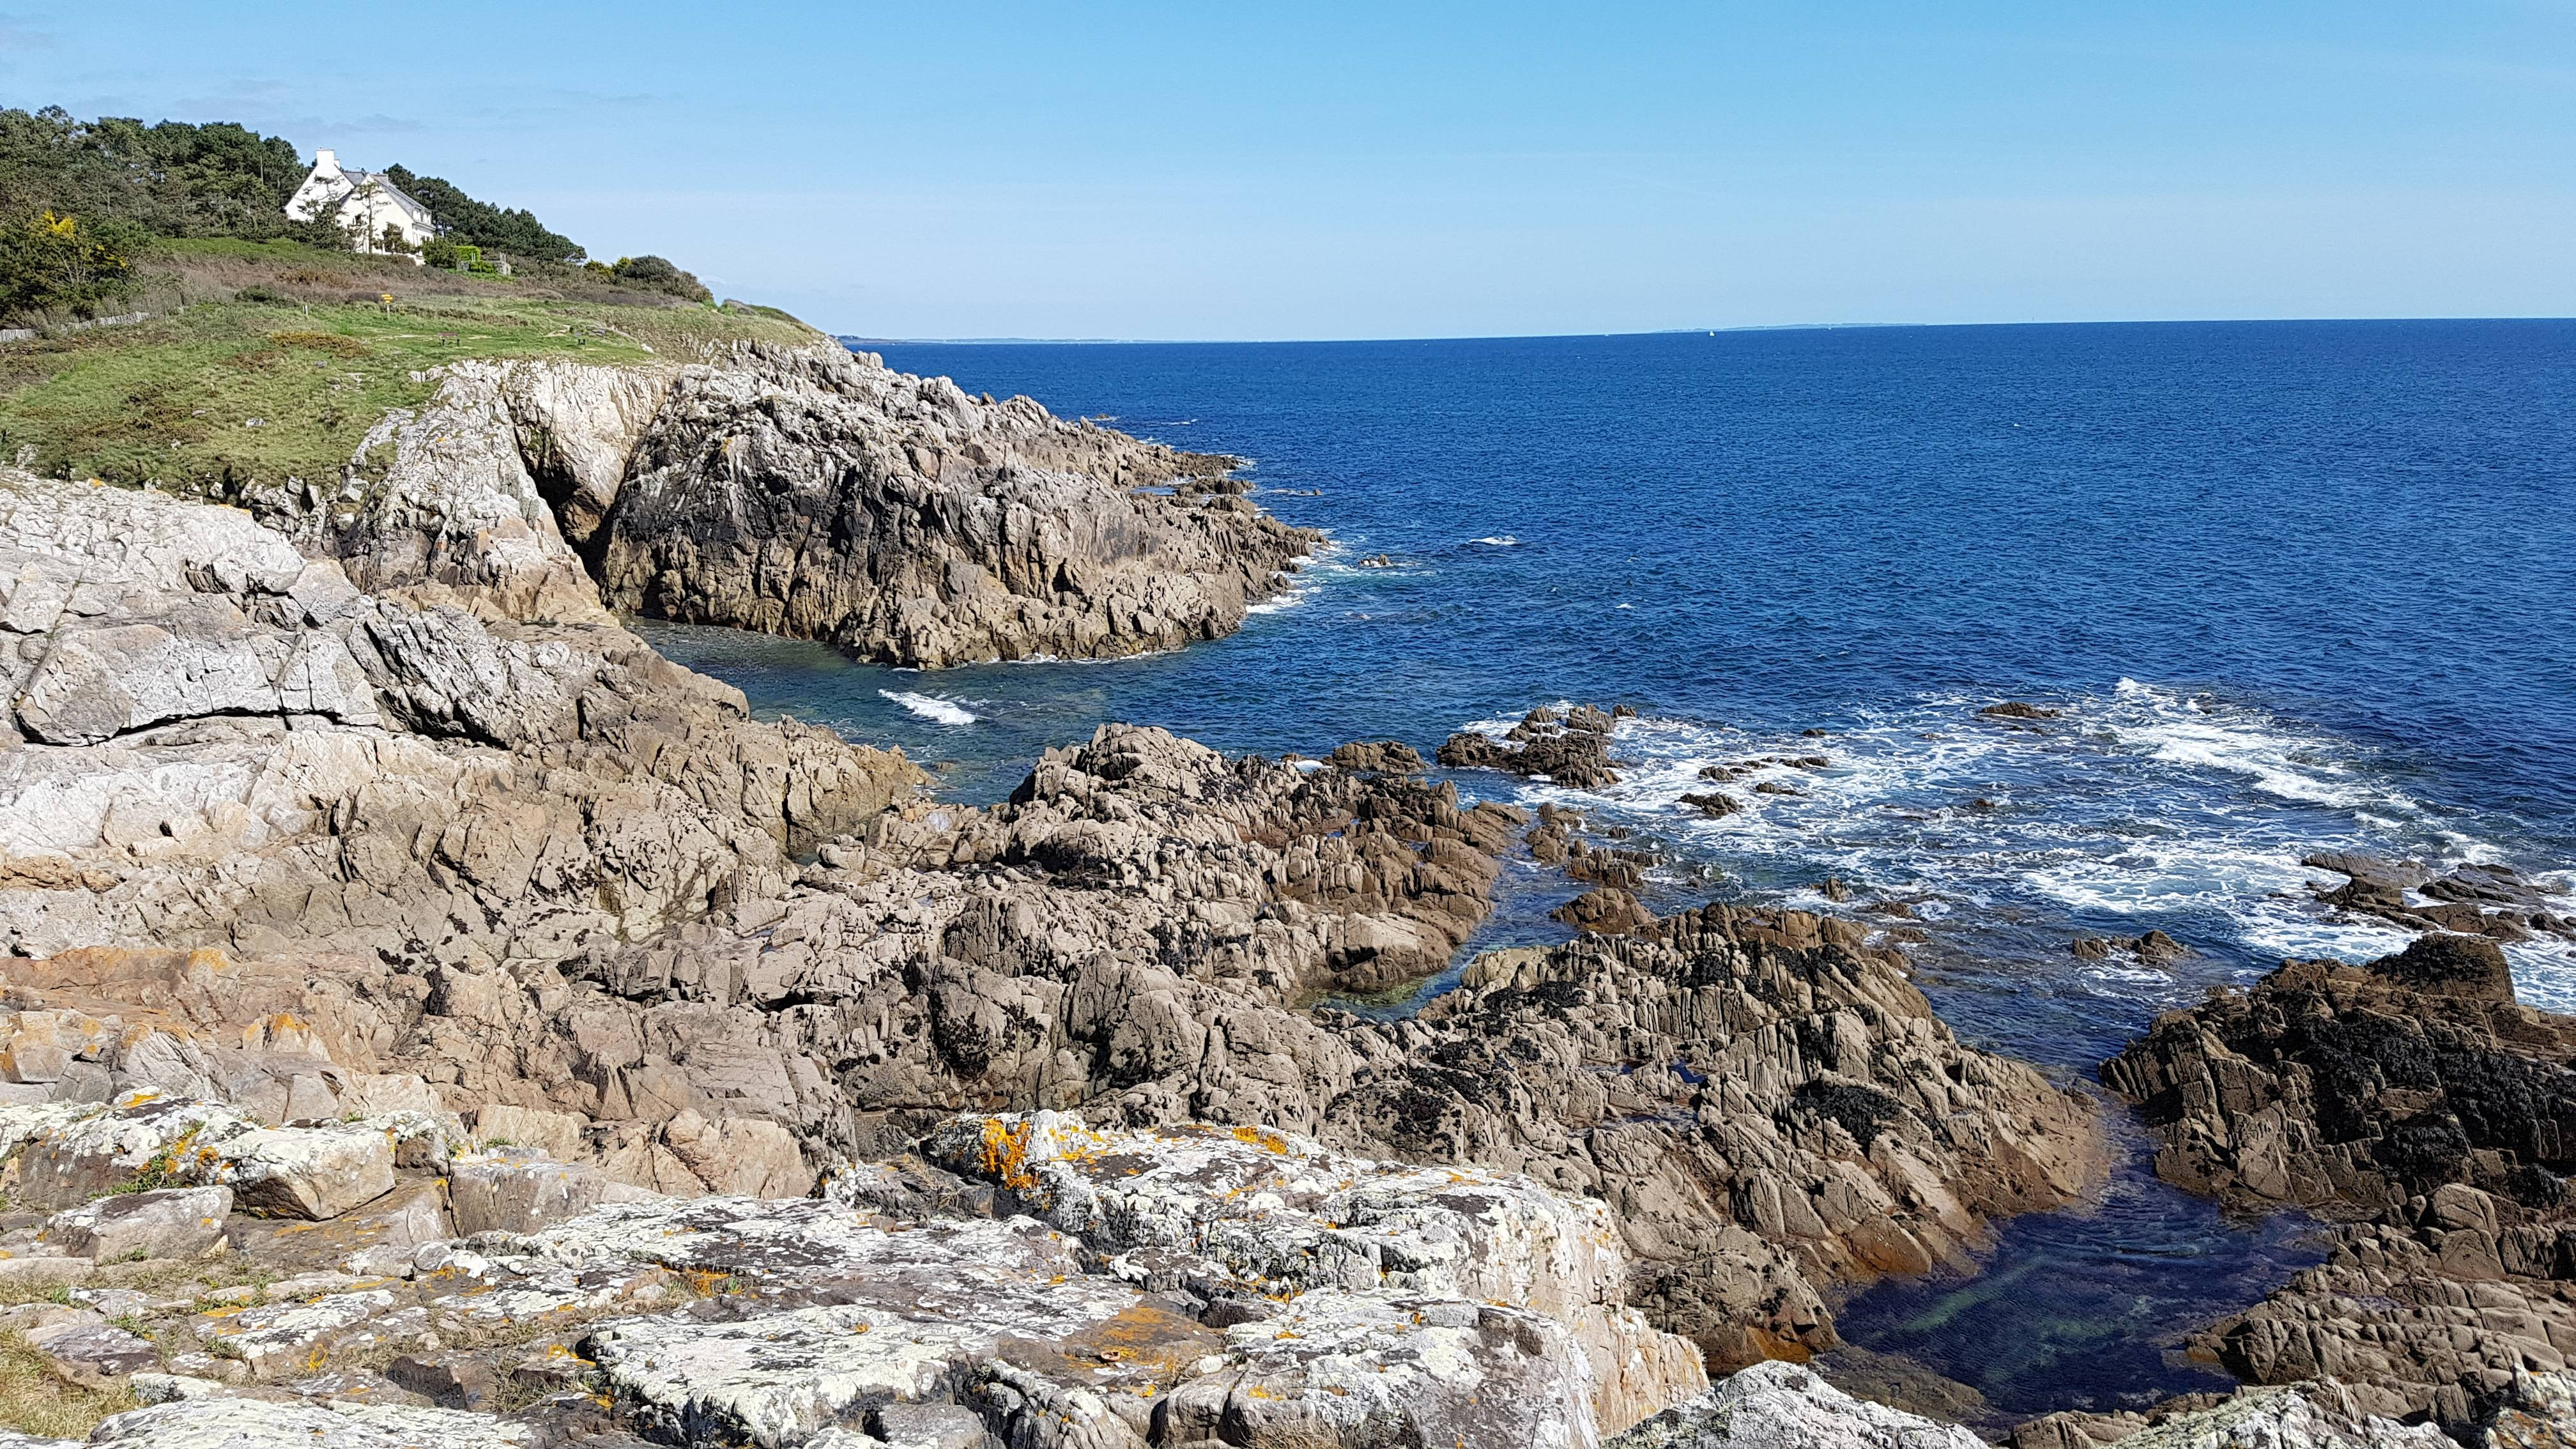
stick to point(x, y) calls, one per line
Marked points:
point(2294, 586)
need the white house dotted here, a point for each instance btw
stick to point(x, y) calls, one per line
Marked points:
point(364, 203)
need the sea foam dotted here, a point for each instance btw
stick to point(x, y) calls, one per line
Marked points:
point(931, 707)
point(2137, 808)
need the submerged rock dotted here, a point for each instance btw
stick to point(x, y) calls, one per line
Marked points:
point(2155, 948)
point(2479, 899)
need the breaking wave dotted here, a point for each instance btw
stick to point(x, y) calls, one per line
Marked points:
point(930, 707)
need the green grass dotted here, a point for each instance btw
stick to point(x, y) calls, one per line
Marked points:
point(222, 395)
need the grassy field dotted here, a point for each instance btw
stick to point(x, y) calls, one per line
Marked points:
point(267, 362)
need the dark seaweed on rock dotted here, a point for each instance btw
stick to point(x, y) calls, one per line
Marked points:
point(1571, 750)
point(2415, 1098)
point(2354, 1087)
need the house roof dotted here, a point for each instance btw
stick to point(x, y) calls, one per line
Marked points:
point(348, 180)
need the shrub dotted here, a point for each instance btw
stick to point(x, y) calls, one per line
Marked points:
point(173, 178)
point(442, 253)
point(658, 274)
point(50, 262)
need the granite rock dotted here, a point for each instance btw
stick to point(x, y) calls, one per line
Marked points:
point(1779, 1405)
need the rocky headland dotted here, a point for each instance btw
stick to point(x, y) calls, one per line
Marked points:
point(432, 1017)
point(795, 490)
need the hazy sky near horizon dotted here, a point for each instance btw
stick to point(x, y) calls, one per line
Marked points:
point(1409, 170)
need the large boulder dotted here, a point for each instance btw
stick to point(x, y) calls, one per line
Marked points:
point(66, 1158)
point(519, 1191)
point(2350, 1089)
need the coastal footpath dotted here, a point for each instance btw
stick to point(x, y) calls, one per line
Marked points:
point(434, 1017)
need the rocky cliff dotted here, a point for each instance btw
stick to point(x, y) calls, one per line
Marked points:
point(799, 491)
point(561, 1055)
point(821, 496)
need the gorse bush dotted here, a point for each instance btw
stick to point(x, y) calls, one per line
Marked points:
point(50, 263)
point(662, 276)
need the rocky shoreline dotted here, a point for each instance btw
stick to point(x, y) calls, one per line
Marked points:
point(432, 1017)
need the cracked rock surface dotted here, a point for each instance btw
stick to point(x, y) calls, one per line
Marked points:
point(1185, 1286)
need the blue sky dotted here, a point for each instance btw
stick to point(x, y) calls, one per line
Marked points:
point(1215, 170)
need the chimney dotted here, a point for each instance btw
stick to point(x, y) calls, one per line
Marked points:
point(327, 162)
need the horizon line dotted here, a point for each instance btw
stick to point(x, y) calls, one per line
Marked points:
point(857, 340)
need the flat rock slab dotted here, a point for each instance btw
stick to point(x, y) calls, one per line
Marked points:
point(1349, 1368)
point(247, 1423)
point(279, 1340)
point(775, 1379)
point(1286, 1214)
point(803, 1243)
point(93, 1353)
point(474, 1296)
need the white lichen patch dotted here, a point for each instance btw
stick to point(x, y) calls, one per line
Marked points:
point(776, 1378)
point(281, 1338)
point(1284, 1213)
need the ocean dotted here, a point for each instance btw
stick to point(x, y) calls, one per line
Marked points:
point(2291, 587)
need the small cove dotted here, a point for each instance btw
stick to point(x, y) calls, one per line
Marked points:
point(2254, 566)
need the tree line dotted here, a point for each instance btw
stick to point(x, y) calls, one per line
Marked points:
point(82, 201)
